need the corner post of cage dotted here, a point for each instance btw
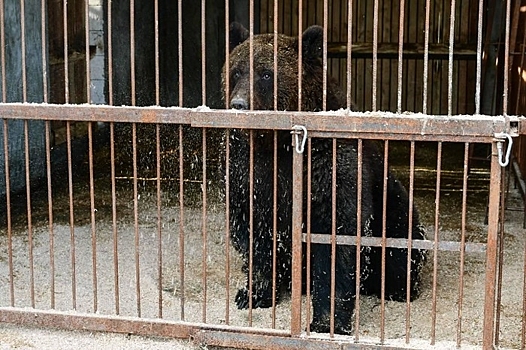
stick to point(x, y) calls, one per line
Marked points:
point(297, 218)
point(491, 250)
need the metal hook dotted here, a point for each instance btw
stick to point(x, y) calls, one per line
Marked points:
point(297, 130)
point(500, 136)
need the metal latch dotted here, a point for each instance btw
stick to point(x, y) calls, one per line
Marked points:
point(501, 138)
point(298, 130)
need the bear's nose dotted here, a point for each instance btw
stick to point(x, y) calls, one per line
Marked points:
point(238, 103)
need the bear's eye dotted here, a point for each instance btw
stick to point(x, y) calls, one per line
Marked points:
point(236, 74)
point(266, 76)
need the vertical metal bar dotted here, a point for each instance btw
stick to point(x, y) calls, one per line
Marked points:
point(504, 186)
point(159, 222)
point(410, 241)
point(325, 64)
point(333, 237)
point(425, 79)
point(275, 29)
point(203, 51)
point(71, 219)
point(462, 243)
point(251, 52)
point(136, 221)
point(506, 60)
point(450, 60)
point(114, 218)
point(251, 224)
point(384, 239)
point(66, 49)
point(227, 61)
point(349, 52)
point(478, 86)
point(87, 58)
point(274, 224)
point(92, 207)
point(309, 237)
point(23, 46)
point(203, 227)
point(43, 35)
point(132, 52)
point(375, 54)
point(523, 319)
point(110, 54)
point(400, 56)
point(359, 184)
point(50, 218)
point(156, 39)
point(227, 225)
point(8, 209)
point(2, 51)
point(491, 251)
point(435, 246)
point(181, 224)
point(29, 220)
point(180, 49)
point(300, 54)
point(297, 218)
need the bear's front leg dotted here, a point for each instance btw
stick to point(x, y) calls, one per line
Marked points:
point(262, 284)
point(261, 298)
point(345, 289)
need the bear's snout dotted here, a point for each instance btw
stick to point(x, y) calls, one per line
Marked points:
point(238, 103)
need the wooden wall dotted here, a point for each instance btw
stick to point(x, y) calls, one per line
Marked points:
point(388, 29)
point(517, 95)
point(14, 58)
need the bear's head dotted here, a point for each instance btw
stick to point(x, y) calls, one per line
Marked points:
point(287, 74)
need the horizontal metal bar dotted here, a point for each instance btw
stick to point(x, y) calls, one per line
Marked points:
point(262, 342)
point(120, 324)
point(450, 246)
point(95, 113)
point(402, 137)
point(199, 333)
point(367, 125)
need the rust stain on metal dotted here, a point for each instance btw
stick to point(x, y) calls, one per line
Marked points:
point(148, 116)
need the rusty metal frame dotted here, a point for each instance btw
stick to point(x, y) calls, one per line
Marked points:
point(224, 336)
point(343, 123)
point(340, 124)
point(348, 124)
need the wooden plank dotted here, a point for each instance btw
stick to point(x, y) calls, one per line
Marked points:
point(411, 50)
point(286, 18)
point(336, 30)
point(294, 20)
point(384, 82)
point(264, 17)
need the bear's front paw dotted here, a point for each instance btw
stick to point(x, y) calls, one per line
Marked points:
point(242, 300)
point(324, 327)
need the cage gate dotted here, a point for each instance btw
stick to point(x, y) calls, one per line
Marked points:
point(352, 125)
point(491, 247)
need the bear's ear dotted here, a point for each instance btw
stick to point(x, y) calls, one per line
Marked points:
point(312, 42)
point(237, 35)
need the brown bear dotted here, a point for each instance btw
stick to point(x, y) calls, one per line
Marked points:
point(397, 215)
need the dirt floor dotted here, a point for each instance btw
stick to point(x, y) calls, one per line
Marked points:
point(215, 305)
